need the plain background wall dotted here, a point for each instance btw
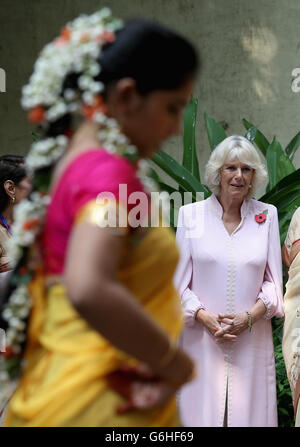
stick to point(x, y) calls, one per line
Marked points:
point(248, 50)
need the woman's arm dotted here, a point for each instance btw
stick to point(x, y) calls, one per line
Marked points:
point(294, 250)
point(271, 289)
point(190, 302)
point(109, 307)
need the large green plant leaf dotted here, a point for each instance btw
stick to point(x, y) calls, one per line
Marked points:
point(215, 131)
point(260, 140)
point(286, 197)
point(180, 174)
point(190, 159)
point(251, 134)
point(284, 222)
point(292, 147)
point(279, 165)
point(290, 202)
point(282, 188)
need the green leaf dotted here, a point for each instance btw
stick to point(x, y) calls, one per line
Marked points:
point(251, 134)
point(180, 174)
point(13, 366)
point(42, 180)
point(190, 159)
point(290, 201)
point(284, 222)
point(283, 411)
point(260, 140)
point(291, 181)
point(153, 174)
point(292, 147)
point(279, 165)
point(215, 132)
point(35, 136)
point(18, 280)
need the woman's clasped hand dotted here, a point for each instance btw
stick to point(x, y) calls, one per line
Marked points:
point(140, 387)
point(224, 327)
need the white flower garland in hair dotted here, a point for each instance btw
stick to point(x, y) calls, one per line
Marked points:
point(46, 152)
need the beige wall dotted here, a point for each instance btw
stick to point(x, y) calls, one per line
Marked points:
point(249, 50)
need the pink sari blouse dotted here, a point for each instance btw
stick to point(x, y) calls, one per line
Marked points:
point(92, 172)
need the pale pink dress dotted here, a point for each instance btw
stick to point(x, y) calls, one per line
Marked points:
point(228, 273)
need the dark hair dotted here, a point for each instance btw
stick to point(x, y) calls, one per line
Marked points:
point(156, 57)
point(12, 167)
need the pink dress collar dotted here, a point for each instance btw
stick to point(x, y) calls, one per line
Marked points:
point(217, 209)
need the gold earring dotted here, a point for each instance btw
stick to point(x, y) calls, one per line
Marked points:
point(13, 199)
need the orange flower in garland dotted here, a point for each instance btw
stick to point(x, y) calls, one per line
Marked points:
point(64, 37)
point(106, 36)
point(65, 34)
point(85, 37)
point(8, 353)
point(36, 115)
point(29, 224)
point(88, 111)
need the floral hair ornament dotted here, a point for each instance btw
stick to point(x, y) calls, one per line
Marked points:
point(261, 218)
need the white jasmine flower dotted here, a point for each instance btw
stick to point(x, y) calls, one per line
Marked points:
point(4, 376)
point(69, 94)
point(84, 82)
point(88, 98)
point(7, 314)
point(96, 87)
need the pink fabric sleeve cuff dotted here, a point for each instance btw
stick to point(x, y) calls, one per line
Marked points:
point(191, 305)
point(269, 312)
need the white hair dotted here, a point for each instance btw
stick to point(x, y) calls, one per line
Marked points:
point(233, 147)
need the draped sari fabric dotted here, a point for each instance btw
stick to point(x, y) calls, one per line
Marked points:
point(67, 361)
point(291, 333)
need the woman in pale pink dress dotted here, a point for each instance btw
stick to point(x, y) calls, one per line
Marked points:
point(230, 282)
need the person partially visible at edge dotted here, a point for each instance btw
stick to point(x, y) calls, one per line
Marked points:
point(15, 185)
point(291, 328)
point(102, 339)
point(230, 281)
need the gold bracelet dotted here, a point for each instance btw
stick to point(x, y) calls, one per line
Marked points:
point(169, 356)
point(250, 321)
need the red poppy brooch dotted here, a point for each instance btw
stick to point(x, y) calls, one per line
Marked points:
point(261, 218)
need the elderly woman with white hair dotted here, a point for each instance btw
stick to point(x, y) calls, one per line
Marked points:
point(230, 282)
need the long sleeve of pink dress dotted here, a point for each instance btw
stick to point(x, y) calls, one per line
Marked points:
point(225, 274)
